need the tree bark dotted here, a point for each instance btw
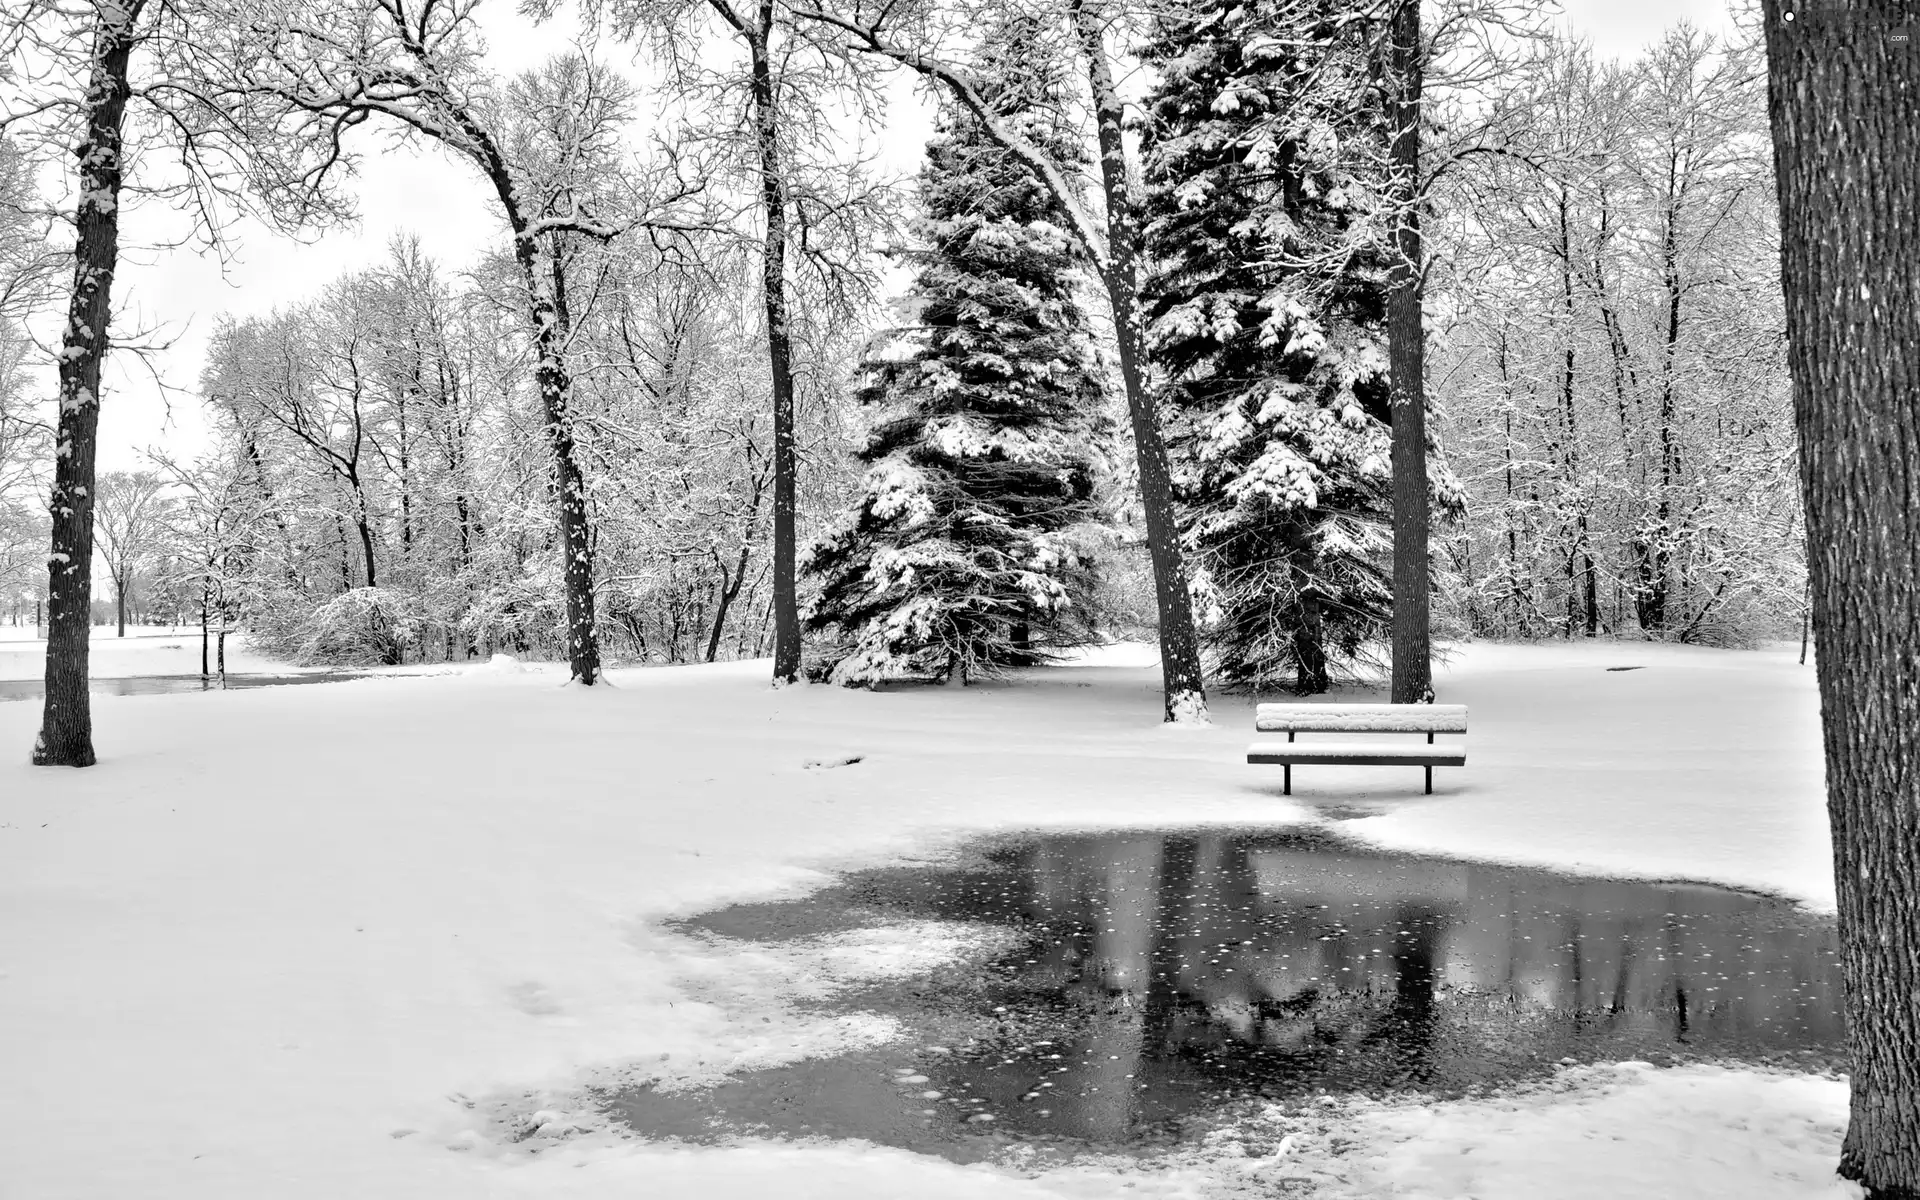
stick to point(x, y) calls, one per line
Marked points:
point(364, 525)
point(1407, 351)
point(1845, 102)
point(346, 553)
point(1182, 679)
point(556, 397)
point(1311, 676)
point(66, 730)
point(773, 284)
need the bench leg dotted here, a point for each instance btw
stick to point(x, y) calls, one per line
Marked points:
point(1429, 781)
point(1288, 768)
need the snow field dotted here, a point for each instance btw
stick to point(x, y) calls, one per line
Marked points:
point(374, 939)
point(146, 650)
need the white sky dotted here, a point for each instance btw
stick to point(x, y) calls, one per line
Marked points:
point(418, 190)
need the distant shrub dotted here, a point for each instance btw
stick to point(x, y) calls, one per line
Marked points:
point(360, 628)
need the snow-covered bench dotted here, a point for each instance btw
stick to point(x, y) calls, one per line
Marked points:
point(1291, 719)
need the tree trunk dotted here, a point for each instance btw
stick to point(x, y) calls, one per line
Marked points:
point(1311, 677)
point(556, 397)
point(773, 285)
point(366, 544)
point(406, 461)
point(1845, 102)
point(203, 633)
point(66, 730)
point(729, 591)
point(1182, 680)
point(1412, 651)
point(346, 553)
point(251, 445)
point(1656, 555)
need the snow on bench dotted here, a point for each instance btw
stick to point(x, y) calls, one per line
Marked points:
point(1292, 719)
point(1360, 718)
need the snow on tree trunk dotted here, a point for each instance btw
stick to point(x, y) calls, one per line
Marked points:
point(556, 394)
point(1183, 682)
point(1412, 651)
point(66, 731)
point(1845, 102)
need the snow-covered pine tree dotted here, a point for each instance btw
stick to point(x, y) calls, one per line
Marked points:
point(1266, 320)
point(961, 554)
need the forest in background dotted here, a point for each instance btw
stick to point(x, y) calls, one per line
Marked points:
point(1609, 402)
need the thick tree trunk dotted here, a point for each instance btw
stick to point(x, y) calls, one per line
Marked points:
point(1845, 103)
point(66, 730)
point(1182, 679)
point(1407, 354)
point(120, 608)
point(556, 398)
point(773, 285)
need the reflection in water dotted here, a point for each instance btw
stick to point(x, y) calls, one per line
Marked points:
point(167, 685)
point(1166, 975)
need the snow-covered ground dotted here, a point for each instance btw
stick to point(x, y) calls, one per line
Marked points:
point(322, 942)
point(146, 650)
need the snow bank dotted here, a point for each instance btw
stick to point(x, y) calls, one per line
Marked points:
point(333, 941)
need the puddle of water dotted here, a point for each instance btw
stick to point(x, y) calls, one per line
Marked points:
point(166, 685)
point(1164, 978)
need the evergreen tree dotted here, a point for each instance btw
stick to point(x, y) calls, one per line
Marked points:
point(1266, 310)
point(961, 555)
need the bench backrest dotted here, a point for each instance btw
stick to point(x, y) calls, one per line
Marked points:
point(1361, 718)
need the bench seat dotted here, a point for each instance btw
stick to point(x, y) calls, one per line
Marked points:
point(1358, 754)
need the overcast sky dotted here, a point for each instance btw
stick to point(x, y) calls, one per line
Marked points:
point(422, 192)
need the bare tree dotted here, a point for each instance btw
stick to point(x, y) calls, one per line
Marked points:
point(212, 531)
point(547, 146)
point(96, 105)
point(100, 80)
point(130, 518)
point(1845, 101)
point(770, 115)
